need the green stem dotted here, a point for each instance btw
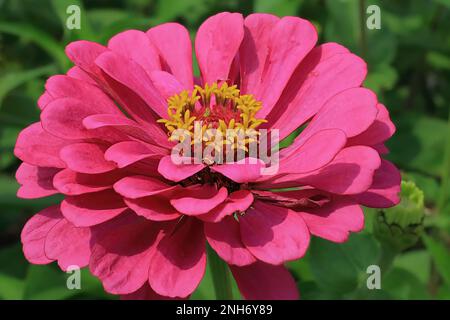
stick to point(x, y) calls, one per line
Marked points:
point(362, 29)
point(220, 276)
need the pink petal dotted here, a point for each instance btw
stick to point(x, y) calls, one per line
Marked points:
point(290, 41)
point(136, 46)
point(351, 111)
point(35, 232)
point(44, 100)
point(128, 152)
point(242, 171)
point(380, 130)
point(121, 254)
point(64, 118)
point(174, 45)
point(335, 221)
point(86, 158)
point(36, 182)
point(315, 153)
point(144, 293)
point(69, 245)
point(156, 208)
point(150, 133)
point(274, 234)
point(135, 187)
point(225, 238)
point(262, 281)
point(133, 76)
point(199, 200)
point(37, 147)
point(73, 183)
point(61, 86)
point(83, 54)
point(351, 172)
point(92, 208)
point(78, 73)
point(179, 261)
point(255, 49)
point(217, 43)
point(385, 188)
point(176, 170)
point(327, 70)
point(238, 201)
point(166, 84)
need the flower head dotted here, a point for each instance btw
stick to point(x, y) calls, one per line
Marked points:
point(140, 219)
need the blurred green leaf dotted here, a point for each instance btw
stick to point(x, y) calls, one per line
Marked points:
point(340, 268)
point(278, 7)
point(13, 269)
point(402, 284)
point(440, 255)
point(42, 39)
point(13, 80)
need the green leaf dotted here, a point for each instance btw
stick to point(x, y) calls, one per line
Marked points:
point(402, 284)
point(414, 147)
point(416, 262)
point(13, 269)
point(341, 268)
point(278, 7)
point(42, 39)
point(13, 80)
point(440, 255)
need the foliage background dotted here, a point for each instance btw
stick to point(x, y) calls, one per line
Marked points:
point(409, 69)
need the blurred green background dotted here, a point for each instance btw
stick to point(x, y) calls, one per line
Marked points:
point(409, 69)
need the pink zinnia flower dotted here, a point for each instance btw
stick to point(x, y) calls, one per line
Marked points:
point(140, 221)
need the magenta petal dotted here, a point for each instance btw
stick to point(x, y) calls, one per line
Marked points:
point(133, 76)
point(35, 232)
point(290, 41)
point(166, 84)
point(385, 188)
point(200, 200)
point(86, 158)
point(238, 201)
point(243, 171)
point(73, 183)
point(315, 153)
point(351, 111)
point(175, 49)
point(92, 208)
point(255, 49)
point(69, 245)
point(262, 281)
point(134, 187)
point(156, 208)
point(144, 293)
point(225, 238)
point(128, 152)
point(335, 221)
point(351, 172)
point(215, 53)
point(78, 73)
point(177, 171)
point(121, 253)
point(135, 45)
point(37, 147)
point(179, 261)
point(150, 133)
point(380, 130)
point(274, 234)
point(326, 71)
point(35, 182)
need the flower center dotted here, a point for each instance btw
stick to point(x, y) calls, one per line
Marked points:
point(215, 115)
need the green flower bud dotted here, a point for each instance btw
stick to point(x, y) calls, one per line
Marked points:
point(401, 226)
